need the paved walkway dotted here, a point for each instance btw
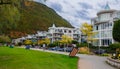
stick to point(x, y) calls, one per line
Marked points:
point(93, 62)
point(87, 61)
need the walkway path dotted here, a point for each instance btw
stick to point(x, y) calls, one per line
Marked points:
point(87, 61)
point(93, 62)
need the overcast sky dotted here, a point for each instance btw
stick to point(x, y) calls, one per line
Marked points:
point(79, 11)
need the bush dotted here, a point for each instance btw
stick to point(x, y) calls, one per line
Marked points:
point(28, 42)
point(113, 47)
point(82, 45)
point(74, 42)
point(4, 39)
point(52, 45)
point(84, 50)
point(104, 54)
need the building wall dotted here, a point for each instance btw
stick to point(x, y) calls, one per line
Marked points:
point(55, 33)
point(103, 25)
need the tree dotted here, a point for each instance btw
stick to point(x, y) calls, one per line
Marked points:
point(47, 41)
point(66, 40)
point(116, 31)
point(4, 39)
point(74, 42)
point(87, 30)
point(9, 14)
point(40, 42)
point(116, 35)
point(28, 42)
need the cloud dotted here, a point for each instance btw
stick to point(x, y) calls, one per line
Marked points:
point(83, 14)
point(56, 7)
point(85, 5)
point(80, 11)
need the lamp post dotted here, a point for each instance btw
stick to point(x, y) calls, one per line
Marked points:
point(99, 50)
point(89, 46)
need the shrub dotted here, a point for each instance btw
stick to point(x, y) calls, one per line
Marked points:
point(82, 45)
point(113, 47)
point(27, 42)
point(52, 45)
point(84, 50)
point(74, 42)
point(104, 54)
point(4, 39)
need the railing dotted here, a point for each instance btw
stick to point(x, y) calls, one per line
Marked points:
point(113, 62)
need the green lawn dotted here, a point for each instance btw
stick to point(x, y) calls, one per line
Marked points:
point(17, 58)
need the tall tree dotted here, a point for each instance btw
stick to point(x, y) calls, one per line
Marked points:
point(47, 41)
point(66, 39)
point(87, 30)
point(116, 37)
point(27, 42)
point(116, 31)
point(4, 39)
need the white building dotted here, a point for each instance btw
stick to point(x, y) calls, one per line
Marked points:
point(55, 33)
point(103, 25)
point(41, 34)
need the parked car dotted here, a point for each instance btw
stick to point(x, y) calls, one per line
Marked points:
point(53, 48)
point(101, 51)
point(59, 49)
point(56, 49)
point(69, 49)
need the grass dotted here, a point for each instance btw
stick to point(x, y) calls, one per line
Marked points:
point(17, 58)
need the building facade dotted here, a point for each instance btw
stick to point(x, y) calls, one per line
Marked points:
point(103, 25)
point(55, 33)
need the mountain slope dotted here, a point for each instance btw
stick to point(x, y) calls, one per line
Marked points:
point(40, 17)
point(34, 18)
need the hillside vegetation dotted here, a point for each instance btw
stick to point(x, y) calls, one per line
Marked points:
point(18, 20)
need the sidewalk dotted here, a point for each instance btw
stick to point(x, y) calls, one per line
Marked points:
point(58, 52)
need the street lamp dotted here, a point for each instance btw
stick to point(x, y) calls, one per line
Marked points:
point(89, 46)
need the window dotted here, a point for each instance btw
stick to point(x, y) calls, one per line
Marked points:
point(69, 31)
point(110, 14)
point(102, 26)
point(65, 31)
point(97, 27)
point(106, 42)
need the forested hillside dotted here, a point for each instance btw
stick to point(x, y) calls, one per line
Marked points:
point(19, 18)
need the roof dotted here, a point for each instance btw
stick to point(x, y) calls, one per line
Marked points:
point(107, 7)
point(53, 26)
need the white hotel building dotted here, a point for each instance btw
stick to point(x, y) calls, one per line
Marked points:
point(103, 25)
point(55, 33)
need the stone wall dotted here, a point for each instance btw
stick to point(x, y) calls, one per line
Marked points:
point(113, 62)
